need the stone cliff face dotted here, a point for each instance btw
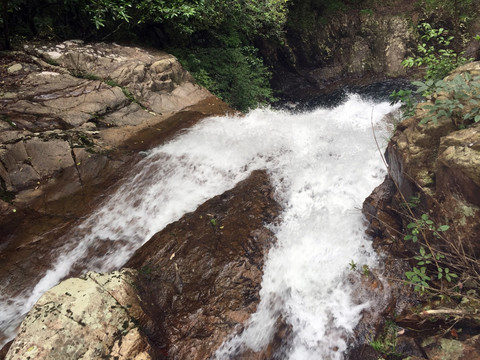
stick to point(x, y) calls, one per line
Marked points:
point(435, 168)
point(321, 52)
point(440, 163)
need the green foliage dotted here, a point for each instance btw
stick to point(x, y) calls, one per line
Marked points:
point(428, 263)
point(235, 74)
point(405, 98)
point(435, 54)
point(424, 223)
point(418, 278)
point(386, 343)
point(101, 11)
point(457, 99)
point(450, 97)
point(413, 202)
point(182, 18)
point(353, 265)
point(366, 270)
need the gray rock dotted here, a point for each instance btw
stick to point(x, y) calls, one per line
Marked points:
point(95, 316)
point(96, 85)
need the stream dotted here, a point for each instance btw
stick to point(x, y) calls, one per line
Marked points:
point(323, 163)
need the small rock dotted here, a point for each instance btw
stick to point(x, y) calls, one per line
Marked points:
point(14, 68)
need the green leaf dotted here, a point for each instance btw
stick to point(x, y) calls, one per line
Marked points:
point(443, 228)
point(422, 251)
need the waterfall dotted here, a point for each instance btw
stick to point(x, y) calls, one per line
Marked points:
point(323, 164)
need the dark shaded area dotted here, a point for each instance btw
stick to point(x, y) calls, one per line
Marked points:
point(377, 91)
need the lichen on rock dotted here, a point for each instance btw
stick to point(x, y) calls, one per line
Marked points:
point(91, 317)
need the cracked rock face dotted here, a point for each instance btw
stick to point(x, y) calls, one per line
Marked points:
point(95, 316)
point(60, 98)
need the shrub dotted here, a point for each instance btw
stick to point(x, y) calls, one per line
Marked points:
point(236, 74)
point(435, 54)
point(457, 99)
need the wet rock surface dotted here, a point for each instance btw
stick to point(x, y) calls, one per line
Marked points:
point(180, 296)
point(199, 278)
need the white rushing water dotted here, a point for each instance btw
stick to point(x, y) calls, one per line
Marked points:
point(323, 163)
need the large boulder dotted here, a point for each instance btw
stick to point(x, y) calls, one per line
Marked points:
point(92, 317)
point(199, 278)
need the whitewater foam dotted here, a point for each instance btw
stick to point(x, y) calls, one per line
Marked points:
point(322, 163)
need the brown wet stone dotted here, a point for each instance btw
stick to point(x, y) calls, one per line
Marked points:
point(200, 276)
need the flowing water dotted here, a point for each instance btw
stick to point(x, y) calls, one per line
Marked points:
point(323, 164)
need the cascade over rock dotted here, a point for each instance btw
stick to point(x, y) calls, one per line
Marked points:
point(195, 283)
point(73, 118)
point(200, 277)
